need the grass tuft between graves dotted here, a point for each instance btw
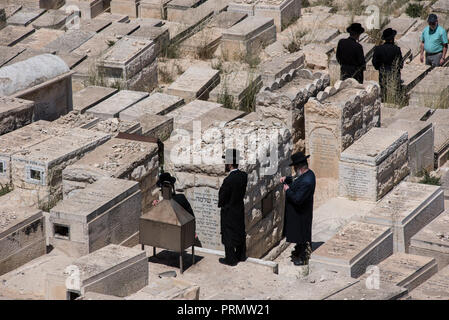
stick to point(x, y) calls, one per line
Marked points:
point(428, 179)
point(4, 189)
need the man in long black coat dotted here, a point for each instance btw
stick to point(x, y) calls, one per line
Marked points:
point(387, 58)
point(299, 191)
point(350, 54)
point(230, 200)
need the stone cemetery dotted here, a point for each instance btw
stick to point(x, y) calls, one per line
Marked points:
point(99, 98)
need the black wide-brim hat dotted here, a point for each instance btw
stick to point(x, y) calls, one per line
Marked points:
point(355, 27)
point(298, 158)
point(233, 154)
point(388, 34)
point(165, 177)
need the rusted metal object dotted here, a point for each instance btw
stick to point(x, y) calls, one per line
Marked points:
point(169, 226)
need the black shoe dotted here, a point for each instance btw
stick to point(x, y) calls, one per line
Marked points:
point(242, 259)
point(226, 262)
point(300, 262)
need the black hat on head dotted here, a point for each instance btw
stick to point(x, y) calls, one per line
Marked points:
point(165, 177)
point(355, 28)
point(388, 34)
point(432, 18)
point(298, 158)
point(232, 156)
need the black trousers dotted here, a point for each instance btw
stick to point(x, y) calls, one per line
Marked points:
point(235, 253)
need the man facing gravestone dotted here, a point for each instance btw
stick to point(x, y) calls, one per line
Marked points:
point(350, 54)
point(299, 191)
point(230, 200)
point(387, 58)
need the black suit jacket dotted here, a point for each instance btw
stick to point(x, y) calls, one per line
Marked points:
point(230, 200)
point(351, 57)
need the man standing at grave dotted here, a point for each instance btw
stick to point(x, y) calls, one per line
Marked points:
point(433, 42)
point(230, 200)
point(387, 58)
point(299, 191)
point(350, 54)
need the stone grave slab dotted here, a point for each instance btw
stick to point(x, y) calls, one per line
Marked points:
point(112, 270)
point(11, 9)
point(241, 6)
point(117, 158)
point(374, 164)
point(195, 83)
point(69, 41)
point(278, 66)
point(159, 35)
point(355, 247)
point(220, 115)
point(248, 37)
point(14, 113)
point(406, 270)
point(128, 7)
point(115, 126)
point(11, 34)
point(111, 107)
point(25, 16)
point(412, 73)
point(51, 4)
point(89, 8)
point(154, 125)
point(149, 22)
point(40, 38)
point(359, 291)
point(113, 17)
point(119, 29)
point(190, 111)
point(351, 111)
point(167, 289)
point(156, 9)
point(433, 240)
point(77, 120)
point(203, 43)
point(22, 236)
point(284, 12)
point(317, 55)
point(53, 19)
point(94, 25)
point(177, 8)
point(104, 212)
point(408, 208)
point(439, 120)
point(91, 96)
point(236, 85)
point(39, 168)
point(94, 47)
point(401, 25)
point(9, 53)
point(155, 104)
point(72, 59)
point(436, 288)
point(411, 40)
point(420, 144)
point(322, 35)
point(226, 19)
point(25, 55)
point(430, 89)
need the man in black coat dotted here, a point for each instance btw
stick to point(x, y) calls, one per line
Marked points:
point(230, 200)
point(350, 54)
point(299, 191)
point(387, 58)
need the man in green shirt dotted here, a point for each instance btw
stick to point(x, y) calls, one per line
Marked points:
point(434, 42)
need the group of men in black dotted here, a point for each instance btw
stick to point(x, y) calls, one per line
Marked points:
point(299, 191)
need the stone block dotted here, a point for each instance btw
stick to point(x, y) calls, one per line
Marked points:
point(22, 236)
point(317, 55)
point(119, 29)
point(359, 291)
point(203, 43)
point(279, 66)
point(14, 113)
point(186, 114)
point(412, 73)
point(195, 83)
point(12, 34)
point(94, 25)
point(25, 16)
point(114, 17)
point(242, 7)
point(433, 241)
point(406, 270)
point(111, 107)
point(284, 12)
point(159, 35)
point(156, 104)
point(89, 9)
point(355, 247)
point(248, 37)
point(156, 126)
point(69, 41)
point(177, 8)
point(125, 7)
point(226, 19)
point(420, 144)
point(401, 25)
point(9, 53)
point(430, 91)
point(338, 117)
point(40, 38)
point(156, 9)
point(90, 97)
point(54, 19)
point(72, 59)
point(75, 119)
point(217, 115)
point(407, 209)
point(374, 164)
point(112, 270)
point(436, 288)
point(167, 289)
point(105, 212)
point(115, 126)
point(51, 4)
point(439, 120)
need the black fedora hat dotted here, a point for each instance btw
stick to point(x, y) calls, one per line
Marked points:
point(298, 158)
point(388, 34)
point(355, 28)
point(165, 177)
point(232, 154)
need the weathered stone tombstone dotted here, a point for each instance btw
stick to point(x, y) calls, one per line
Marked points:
point(69, 41)
point(22, 236)
point(91, 96)
point(25, 16)
point(167, 289)
point(226, 19)
point(407, 209)
point(248, 37)
point(115, 126)
point(436, 288)
point(279, 66)
point(338, 116)
point(195, 83)
point(412, 74)
point(89, 9)
point(441, 144)
point(9, 53)
point(14, 114)
point(94, 25)
point(159, 35)
point(51, 4)
point(54, 19)
point(284, 12)
point(192, 110)
point(153, 9)
point(373, 164)
point(11, 34)
point(156, 126)
point(177, 8)
point(355, 247)
point(429, 92)
point(360, 291)
point(128, 7)
point(40, 38)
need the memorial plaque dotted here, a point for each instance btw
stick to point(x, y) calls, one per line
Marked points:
point(356, 181)
point(324, 150)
